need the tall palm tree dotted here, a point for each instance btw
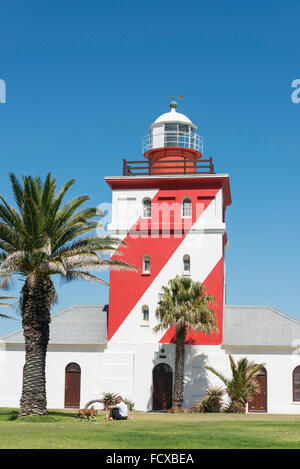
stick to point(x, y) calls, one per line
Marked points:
point(40, 238)
point(185, 305)
point(242, 386)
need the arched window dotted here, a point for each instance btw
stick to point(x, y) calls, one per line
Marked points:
point(186, 264)
point(147, 208)
point(296, 384)
point(146, 264)
point(145, 315)
point(186, 208)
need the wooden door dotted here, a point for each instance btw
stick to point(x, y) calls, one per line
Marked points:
point(259, 401)
point(72, 385)
point(162, 387)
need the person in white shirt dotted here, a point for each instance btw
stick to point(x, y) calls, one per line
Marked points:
point(119, 411)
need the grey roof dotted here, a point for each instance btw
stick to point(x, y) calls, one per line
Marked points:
point(259, 326)
point(74, 325)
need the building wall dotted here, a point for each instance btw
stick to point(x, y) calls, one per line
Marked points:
point(166, 238)
point(279, 364)
point(58, 357)
point(135, 380)
point(127, 369)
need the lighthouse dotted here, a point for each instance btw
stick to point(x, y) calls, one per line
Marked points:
point(169, 210)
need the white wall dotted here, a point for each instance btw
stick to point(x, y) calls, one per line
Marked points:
point(58, 357)
point(11, 375)
point(127, 369)
point(279, 364)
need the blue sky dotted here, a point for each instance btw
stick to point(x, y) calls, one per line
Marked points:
point(86, 78)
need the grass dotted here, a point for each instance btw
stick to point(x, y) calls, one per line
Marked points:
point(60, 429)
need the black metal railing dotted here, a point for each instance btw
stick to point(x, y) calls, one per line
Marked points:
point(165, 167)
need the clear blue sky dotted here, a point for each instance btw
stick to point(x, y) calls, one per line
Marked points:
point(86, 78)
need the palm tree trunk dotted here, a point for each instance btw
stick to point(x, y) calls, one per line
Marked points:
point(179, 368)
point(36, 302)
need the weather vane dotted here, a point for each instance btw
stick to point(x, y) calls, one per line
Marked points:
point(173, 97)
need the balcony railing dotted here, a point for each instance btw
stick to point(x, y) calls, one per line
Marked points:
point(174, 167)
point(172, 139)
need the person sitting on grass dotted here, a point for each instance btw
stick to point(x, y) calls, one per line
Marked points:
point(119, 411)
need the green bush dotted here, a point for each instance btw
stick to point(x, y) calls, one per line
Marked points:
point(108, 398)
point(212, 402)
point(129, 403)
point(236, 407)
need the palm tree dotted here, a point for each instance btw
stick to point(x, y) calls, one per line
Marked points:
point(242, 386)
point(185, 305)
point(43, 237)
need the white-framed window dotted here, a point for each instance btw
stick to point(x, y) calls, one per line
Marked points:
point(146, 265)
point(186, 265)
point(145, 316)
point(182, 135)
point(147, 208)
point(186, 206)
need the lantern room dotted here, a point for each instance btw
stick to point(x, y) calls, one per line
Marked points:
point(173, 129)
point(171, 146)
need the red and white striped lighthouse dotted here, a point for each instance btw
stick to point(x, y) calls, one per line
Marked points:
point(170, 211)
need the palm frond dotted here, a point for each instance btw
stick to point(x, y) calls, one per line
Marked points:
point(75, 275)
point(218, 374)
point(48, 237)
point(185, 303)
point(6, 316)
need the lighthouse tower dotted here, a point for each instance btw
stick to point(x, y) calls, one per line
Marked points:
point(169, 209)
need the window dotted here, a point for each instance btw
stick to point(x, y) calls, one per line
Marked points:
point(186, 208)
point(171, 135)
point(186, 264)
point(146, 265)
point(145, 316)
point(171, 127)
point(184, 135)
point(147, 208)
point(296, 384)
point(184, 128)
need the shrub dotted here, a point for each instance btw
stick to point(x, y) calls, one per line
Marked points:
point(129, 403)
point(242, 386)
point(108, 398)
point(212, 401)
point(236, 407)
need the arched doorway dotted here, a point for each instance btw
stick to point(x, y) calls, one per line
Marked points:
point(259, 401)
point(72, 385)
point(162, 387)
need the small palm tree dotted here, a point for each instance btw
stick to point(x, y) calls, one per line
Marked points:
point(212, 401)
point(242, 386)
point(40, 238)
point(185, 305)
point(109, 398)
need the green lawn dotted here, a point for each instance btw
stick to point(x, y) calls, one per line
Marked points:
point(154, 431)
